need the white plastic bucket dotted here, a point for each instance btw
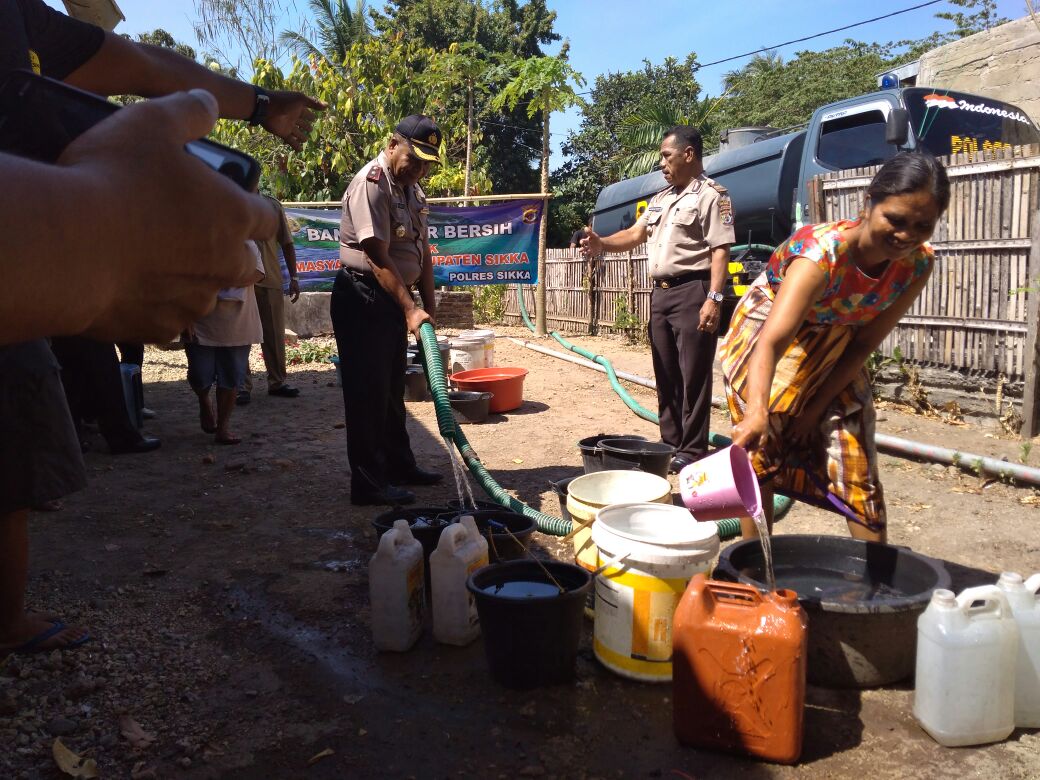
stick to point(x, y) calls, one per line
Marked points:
point(648, 554)
point(473, 349)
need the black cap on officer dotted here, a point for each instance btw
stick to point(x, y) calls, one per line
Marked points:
point(423, 134)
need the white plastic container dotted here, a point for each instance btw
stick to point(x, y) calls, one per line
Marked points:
point(648, 553)
point(472, 349)
point(397, 591)
point(965, 685)
point(1025, 607)
point(460, 551)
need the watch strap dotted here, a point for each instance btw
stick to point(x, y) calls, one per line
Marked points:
point(263, 102)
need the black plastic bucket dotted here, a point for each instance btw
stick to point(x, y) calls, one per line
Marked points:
point(531, 641)
point(560, 488)
point(482, 503)
point(501, 545)
point(428, 535)
point(592, 456)
point(863, 600)
point(627, 453)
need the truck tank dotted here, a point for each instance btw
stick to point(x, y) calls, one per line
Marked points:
point(761, 178)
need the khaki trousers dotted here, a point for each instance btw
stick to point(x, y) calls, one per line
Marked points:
point(270, 302)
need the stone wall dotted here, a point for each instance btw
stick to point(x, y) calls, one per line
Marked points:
point(309, 316)
point(1002, 63)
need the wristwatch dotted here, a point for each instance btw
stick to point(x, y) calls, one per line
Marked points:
point(715, 296)
point(263, 102)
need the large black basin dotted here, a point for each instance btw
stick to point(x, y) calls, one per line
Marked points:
point(862, 598)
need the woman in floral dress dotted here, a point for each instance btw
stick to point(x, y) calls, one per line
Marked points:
point(793, 358)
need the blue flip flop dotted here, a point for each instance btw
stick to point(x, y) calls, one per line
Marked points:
point(33, 645)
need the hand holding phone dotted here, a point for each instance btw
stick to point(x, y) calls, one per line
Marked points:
point(132, 237)
point(40, 117)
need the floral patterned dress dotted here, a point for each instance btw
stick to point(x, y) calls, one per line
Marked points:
point(845, 465)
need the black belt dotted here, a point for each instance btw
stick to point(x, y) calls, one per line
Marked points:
point(675, 281)
point(366, 276)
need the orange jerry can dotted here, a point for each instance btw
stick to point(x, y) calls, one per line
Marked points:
point(738, 670)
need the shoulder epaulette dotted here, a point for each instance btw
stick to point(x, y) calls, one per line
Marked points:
point(375, 173)
point(718, 187)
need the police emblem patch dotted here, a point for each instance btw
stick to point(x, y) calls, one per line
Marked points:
point(399, 231)
point(375, 173)
point(726, 210)
point(432, 139)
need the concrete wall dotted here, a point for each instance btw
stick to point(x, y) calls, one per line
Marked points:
point(1002, 63)
point(309, 316)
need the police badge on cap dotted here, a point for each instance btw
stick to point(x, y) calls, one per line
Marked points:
point(423, 134)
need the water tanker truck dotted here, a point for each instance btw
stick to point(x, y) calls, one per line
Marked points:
point(767, 170)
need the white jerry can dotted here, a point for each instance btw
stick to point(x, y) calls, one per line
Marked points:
point(460, 551)
point(1022, 596)
point(397, 591)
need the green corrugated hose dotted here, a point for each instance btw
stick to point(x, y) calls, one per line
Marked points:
point(547, 524)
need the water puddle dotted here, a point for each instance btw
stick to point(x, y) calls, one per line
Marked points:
point(340, 565)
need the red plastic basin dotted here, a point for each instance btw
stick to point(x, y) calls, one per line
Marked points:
point(507, 385)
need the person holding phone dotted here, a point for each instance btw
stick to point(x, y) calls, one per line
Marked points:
point(124, 185)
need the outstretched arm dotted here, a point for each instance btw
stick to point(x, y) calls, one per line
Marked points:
point(122, 67)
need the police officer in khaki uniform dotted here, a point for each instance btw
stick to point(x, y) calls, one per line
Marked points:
point(383, 253)
point(688, 229)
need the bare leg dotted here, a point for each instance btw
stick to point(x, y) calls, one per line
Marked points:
point(16, 625)
point(225, 406)
point(862, 532)
point(748, 529)
point(207, 419)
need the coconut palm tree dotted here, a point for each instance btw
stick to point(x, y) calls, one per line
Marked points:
point(336, 27)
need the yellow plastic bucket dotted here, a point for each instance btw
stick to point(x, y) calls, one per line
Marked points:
point(649, 553)
point(587, 494)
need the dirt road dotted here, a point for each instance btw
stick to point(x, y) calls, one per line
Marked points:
point(226, 590)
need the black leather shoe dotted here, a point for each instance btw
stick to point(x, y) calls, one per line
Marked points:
point(242, 398)
point(389, 494)
point(679, 462)
point(285, 391)
point(147, 413)
point(417, 476)
point(144, 444)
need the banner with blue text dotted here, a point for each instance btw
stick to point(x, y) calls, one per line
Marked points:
point(470, 245)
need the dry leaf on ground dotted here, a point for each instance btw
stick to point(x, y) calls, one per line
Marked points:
point(137, 736)
point(319, 756)
point(72, 764)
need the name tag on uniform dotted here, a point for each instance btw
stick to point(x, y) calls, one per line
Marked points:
point(655, 208)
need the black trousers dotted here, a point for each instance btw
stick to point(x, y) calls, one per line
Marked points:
point(371, 339)
point(683, 358)
point(94, 387)
point(131, 353)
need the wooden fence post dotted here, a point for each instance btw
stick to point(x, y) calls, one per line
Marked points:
point(1031, 390)
point(590, 268)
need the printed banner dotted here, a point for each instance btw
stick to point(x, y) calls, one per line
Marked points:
point(471, 245)
point(486, 244)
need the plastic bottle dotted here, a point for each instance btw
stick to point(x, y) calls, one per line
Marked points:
point(1026, 609)
point(460, 551)
point(738, 669)
point(965, 685)
point(397, 590)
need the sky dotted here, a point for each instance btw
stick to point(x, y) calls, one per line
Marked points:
point(609, 36)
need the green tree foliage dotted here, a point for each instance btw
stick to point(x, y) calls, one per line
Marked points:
point(626, 110)
point(505, 29)
point(382, 80)
point(336, 27)
point(159, 37)
point(593, 150)
point(236, 33)
point(769, 91)
point(978, 15)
